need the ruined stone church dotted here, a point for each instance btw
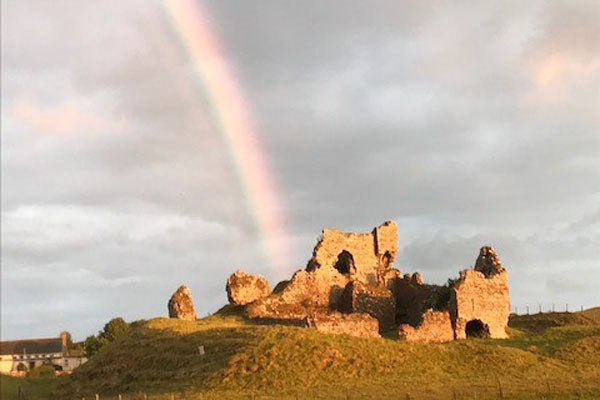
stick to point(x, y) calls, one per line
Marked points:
point(350, 286)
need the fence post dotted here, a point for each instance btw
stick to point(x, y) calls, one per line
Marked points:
point(567, 307)
point(547, 383)
point(527, 310)
point(500, 394)
point(97, 396)
point(120, 397)
point(552, 307)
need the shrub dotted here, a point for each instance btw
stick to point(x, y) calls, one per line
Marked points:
point(41, 371)
point(92, 345)
point(113, 329)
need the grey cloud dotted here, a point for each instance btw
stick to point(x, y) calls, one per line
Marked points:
point(562, 285)
point(454, 120)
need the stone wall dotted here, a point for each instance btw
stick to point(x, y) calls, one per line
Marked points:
point(386, 240)
point(370, 252)
point(340, 257)
point(377, 301)
point(481, 296)
point(361, 325)
point(321, 286)
point(435, 326)
point(354, 273)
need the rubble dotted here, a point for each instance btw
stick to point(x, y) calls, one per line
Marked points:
point(243, 288)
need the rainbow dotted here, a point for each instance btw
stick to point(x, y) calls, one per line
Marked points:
point(190, 22)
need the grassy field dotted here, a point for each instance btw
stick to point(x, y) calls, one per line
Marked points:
point(31, 388)
point(553, 356)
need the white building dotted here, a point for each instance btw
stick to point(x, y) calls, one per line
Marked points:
point(24, 355)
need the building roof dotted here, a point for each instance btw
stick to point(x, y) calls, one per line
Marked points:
point(31, 346)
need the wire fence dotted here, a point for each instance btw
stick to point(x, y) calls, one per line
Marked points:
point(537, 308)
point(492, 386)
point(495, 389)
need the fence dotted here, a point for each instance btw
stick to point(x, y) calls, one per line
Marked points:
point(535, 308)
point(492, 387)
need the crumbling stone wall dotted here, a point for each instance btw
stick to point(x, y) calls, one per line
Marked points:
point(360, 325)
point(377, 301)
point(371, 252)
point(435, 326)
point(340, 257)
point(481, 294)
point(354, 273)
point(316, 317)
point(321, 287)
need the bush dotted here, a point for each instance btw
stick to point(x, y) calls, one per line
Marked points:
point(112, 330)
point(41, 371)
point(92, 345)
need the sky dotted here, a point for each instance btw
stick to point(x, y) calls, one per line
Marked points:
point(468, 123)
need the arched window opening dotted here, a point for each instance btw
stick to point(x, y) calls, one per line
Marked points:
point(345, 263)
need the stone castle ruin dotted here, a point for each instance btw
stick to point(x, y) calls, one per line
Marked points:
point(350, 286)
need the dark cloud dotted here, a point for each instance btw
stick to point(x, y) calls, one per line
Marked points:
point(469, 124)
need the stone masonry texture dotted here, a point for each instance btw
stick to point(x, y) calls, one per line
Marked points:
point(181, 305)
point(350, 286)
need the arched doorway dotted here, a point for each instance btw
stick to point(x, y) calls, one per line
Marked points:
point(475, 328)
point(345, 263)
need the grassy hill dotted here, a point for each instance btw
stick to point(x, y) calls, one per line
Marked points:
point(548, 355)
point(592, 313)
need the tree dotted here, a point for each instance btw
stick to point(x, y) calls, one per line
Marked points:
point(92, 344)
point(112, 330)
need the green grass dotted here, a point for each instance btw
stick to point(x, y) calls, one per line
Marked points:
point(31, 388)
point(160, 357)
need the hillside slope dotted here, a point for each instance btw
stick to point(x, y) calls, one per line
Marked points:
point(161, 357)
point(592, 313)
